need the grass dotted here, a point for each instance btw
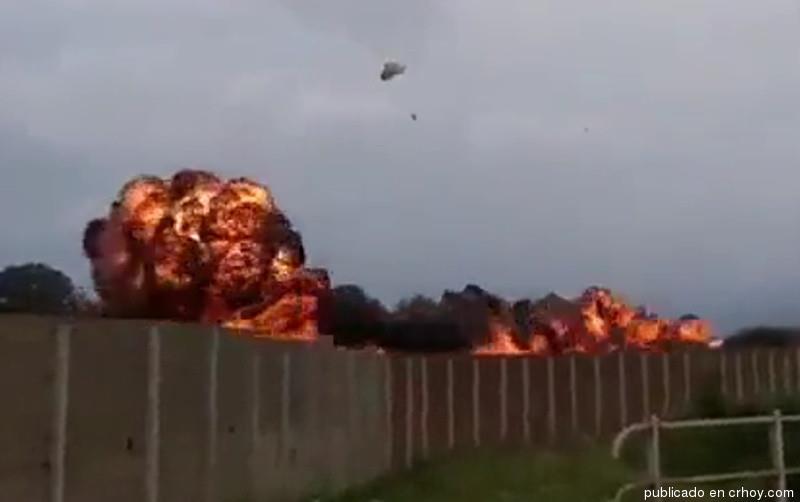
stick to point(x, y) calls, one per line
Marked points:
point(500, 477)
point(592, 475)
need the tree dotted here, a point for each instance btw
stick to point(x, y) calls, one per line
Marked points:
point(36, 288)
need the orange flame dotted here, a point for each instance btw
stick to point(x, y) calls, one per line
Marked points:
point(597, 322)
point(196, 247)
point(502, 342)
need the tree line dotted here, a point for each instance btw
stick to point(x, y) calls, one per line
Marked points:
point(38, 288)
point(456, 321)
point(347, 313)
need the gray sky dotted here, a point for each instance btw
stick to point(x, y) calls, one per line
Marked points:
point(682, 194)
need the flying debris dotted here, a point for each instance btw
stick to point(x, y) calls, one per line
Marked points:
point(392, 69)
point(414, 117)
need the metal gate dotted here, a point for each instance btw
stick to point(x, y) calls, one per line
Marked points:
point(655, 478)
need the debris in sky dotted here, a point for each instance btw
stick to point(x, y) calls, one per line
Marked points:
point(414, 116)
point(391, 69)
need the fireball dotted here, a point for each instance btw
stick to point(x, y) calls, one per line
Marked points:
point(197, 247)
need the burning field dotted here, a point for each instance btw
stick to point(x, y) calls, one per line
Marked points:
point(197, 247)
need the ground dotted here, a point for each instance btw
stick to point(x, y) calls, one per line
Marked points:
point(493, 476)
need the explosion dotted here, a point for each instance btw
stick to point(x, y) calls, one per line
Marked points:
point(196, 247)
point(199, 248)
point(597, 322)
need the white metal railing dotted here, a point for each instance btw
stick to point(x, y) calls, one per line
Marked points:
point(657, 480)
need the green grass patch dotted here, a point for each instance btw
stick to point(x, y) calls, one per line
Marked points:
point(590, 474)
point(483, 476)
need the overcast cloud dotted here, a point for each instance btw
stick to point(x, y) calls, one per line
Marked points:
point(652, 147)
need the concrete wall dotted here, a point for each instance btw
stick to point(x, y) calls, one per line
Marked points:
point(113, 410)
point(130, 411)
point(443, 403)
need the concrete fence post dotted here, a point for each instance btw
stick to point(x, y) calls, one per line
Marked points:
point(388, 394)
point(409, 412)
point(598, 397)
point(353, 407)
point(212, 418)
point(623, 391)
point(773, 383)
point(643, 360)
point(739, 378)
point(58, 430)
point(756, 375)
point(451, 415)
point(723, 373)
point(687, 379)
point(423, 414)
point(503, 395)
point(787, 375)
point(153, 416)
point(551, 399)
point(573, 393)
point(526, 399)
point(665, 382)
point(476, 401)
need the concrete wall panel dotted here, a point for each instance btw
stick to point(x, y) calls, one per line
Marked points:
point(184, 412)
point(233, 438)
point(27, 347)
point(106, 421)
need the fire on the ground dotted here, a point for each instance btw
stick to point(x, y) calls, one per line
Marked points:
point(597, 322)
